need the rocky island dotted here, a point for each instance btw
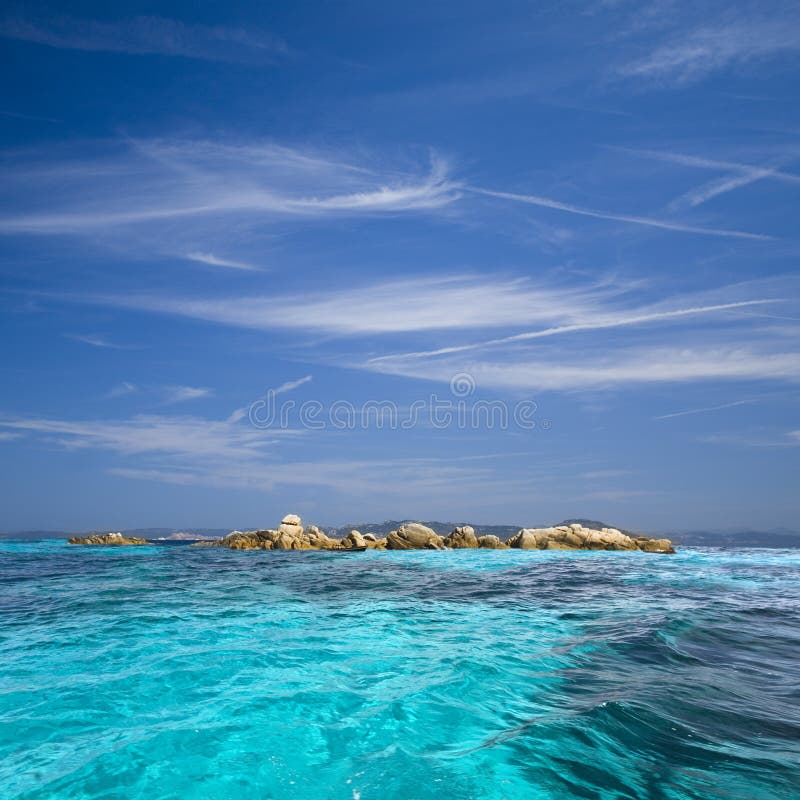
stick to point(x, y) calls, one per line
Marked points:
point(107, 538)
point(291, 535)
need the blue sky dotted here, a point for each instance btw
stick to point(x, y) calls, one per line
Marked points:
point(589, 207)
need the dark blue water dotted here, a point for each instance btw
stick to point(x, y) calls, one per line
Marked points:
point(180, 672)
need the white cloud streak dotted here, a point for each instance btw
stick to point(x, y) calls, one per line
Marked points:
point(156, 182)
point(620, 495)
point(147, 35)
point(215, 261)
point(95, 341)
point(622, 368)
point(292, 385)
point(755, 439)
point(702, 162)
point(601, 322)
point(719, 339)
point(708, 191)
point(152, 435)
point(177, 183)
point(708, 409)
point(650, 222)
point(693, 55)
point(457, 302)
point(410, 478)
point(602, 474)
point(191, 451)
point(123, 389)
point(741, 175)
point(179, 394)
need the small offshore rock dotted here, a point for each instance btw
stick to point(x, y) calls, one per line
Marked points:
point(414, 536)
point(657, 546)
point(288, 541)
point(524, 540)
point(490, 542)
point(354, 540)
point(576, 537)
point(107, 538)
point(319, 539)
point(461, 538)
point(292, 525)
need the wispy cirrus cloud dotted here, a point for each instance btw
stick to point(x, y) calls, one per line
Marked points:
point(150, 183)
point(702, 194)
point(620, 495)
point(178, 437)
point(601, 321)
point(687, 56)
point(180, 394)
point(351, 477)
point(601, 474)
point(215, 261)
point(167, 394)
point(650, 222)
point(622, 367)
point(34, 117)
point(96, 341)
point(703, 162)
point(705, 410)
point(193, 451)
point(195, 188)
point(755, 438)
point(737, 175)
point(122, 390)
point(453, 302)
point(146, 35)
point(290, 386)
point(691, 337)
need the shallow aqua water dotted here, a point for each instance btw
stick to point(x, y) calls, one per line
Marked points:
point(179, 672)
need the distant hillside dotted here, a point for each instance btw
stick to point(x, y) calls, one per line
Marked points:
point(177, 533)
point(443, 528)
point(782, 538)
point(596, 525)
point(144, 533)
point(35, 534)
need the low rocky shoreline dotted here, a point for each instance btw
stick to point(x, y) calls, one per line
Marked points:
point(107, 538)
point(291, 535)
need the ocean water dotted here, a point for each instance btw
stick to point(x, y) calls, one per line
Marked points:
point(180, 672)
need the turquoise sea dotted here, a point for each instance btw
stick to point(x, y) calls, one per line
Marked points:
point(180, 672)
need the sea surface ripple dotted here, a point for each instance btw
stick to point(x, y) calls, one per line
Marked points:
point(179, 672)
